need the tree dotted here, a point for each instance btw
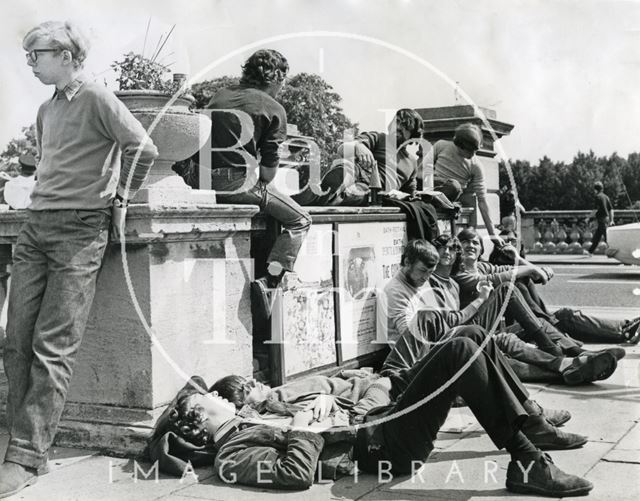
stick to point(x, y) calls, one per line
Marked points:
point(204, 91)
point(310, 102)
point(315, 108)
point(16, 147)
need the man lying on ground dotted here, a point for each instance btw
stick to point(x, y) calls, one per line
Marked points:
point(398, 436)
point(528, 362)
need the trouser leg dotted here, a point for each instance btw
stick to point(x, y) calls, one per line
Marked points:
point(74, 244)
point(295, 223)
point(601, 231)
point(512, 346)
point(25, 297)
point(589, 328)
point(529, 373)
point(457, 367)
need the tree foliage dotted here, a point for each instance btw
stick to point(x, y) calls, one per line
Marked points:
point(26, 143)
point(310, 102)
point(569, 186)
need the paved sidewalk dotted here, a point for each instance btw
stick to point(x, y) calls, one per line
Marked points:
point(608, 412)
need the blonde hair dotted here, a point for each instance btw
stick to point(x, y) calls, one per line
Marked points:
point(62, 35)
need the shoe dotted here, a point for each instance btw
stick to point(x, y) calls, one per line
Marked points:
point(631, 331)
point(555, 417)
point(547, 437)
point(596, 367)
point(616, 351)
point(15, 477)
point(262, 297)
point(543, 478)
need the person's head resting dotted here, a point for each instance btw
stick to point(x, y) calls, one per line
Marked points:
point(55, 50)
point(197, 416)
point(242, 392)
point(449, 251)
point(468, 138)
point(265, 69)
point(406, 124)
point(598, 187)
point(419, 259)
point(471, 244)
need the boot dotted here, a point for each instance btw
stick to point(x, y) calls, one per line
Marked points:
point(15, 477)
point(547, 437)
point(543, 477)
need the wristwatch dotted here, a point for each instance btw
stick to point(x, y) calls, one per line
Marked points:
point(120, 202)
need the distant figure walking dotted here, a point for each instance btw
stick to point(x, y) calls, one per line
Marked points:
point(603, 214)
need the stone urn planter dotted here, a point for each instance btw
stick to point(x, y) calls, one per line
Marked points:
point(178, 133)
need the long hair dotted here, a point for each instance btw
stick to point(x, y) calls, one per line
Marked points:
point(442, 241)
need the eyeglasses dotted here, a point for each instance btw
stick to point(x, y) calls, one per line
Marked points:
point(32, 55)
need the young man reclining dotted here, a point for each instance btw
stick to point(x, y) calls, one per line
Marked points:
point(398, 436)
point(528, 362)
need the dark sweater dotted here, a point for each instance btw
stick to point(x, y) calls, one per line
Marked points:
point(254, 124)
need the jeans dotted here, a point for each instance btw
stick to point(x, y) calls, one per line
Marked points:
point(601, 232)
point(588, 328)
point(293, 218)
point(487, 385)
point(56, 262)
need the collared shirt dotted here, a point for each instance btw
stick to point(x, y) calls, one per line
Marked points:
point(71, 89)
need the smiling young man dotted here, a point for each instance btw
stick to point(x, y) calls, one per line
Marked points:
point(81, 131)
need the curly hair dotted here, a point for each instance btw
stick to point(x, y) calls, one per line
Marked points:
point(61, 35)
point(188, 421)
point(264, 67)
point(410, 120)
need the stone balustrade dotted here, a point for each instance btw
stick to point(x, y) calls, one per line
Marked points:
point(564, 232)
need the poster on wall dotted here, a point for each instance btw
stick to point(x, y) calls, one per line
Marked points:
point(368, 255)
point(307, 319)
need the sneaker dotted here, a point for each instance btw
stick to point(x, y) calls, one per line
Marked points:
point(593, 367)
point(15, 477)
point(547, 437)
point(543, 478)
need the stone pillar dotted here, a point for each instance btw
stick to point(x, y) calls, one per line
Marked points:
point(440, 123)
point(190, 270)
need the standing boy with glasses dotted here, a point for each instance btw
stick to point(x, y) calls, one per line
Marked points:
point(81, 132)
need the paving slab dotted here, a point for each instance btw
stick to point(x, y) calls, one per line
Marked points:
point(346, 488)
point(628, 449)
point(102, 478)
point(615, 482)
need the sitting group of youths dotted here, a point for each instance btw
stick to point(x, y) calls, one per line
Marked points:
point(439, 313)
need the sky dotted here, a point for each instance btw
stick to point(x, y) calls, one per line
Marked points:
point(566, 73)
